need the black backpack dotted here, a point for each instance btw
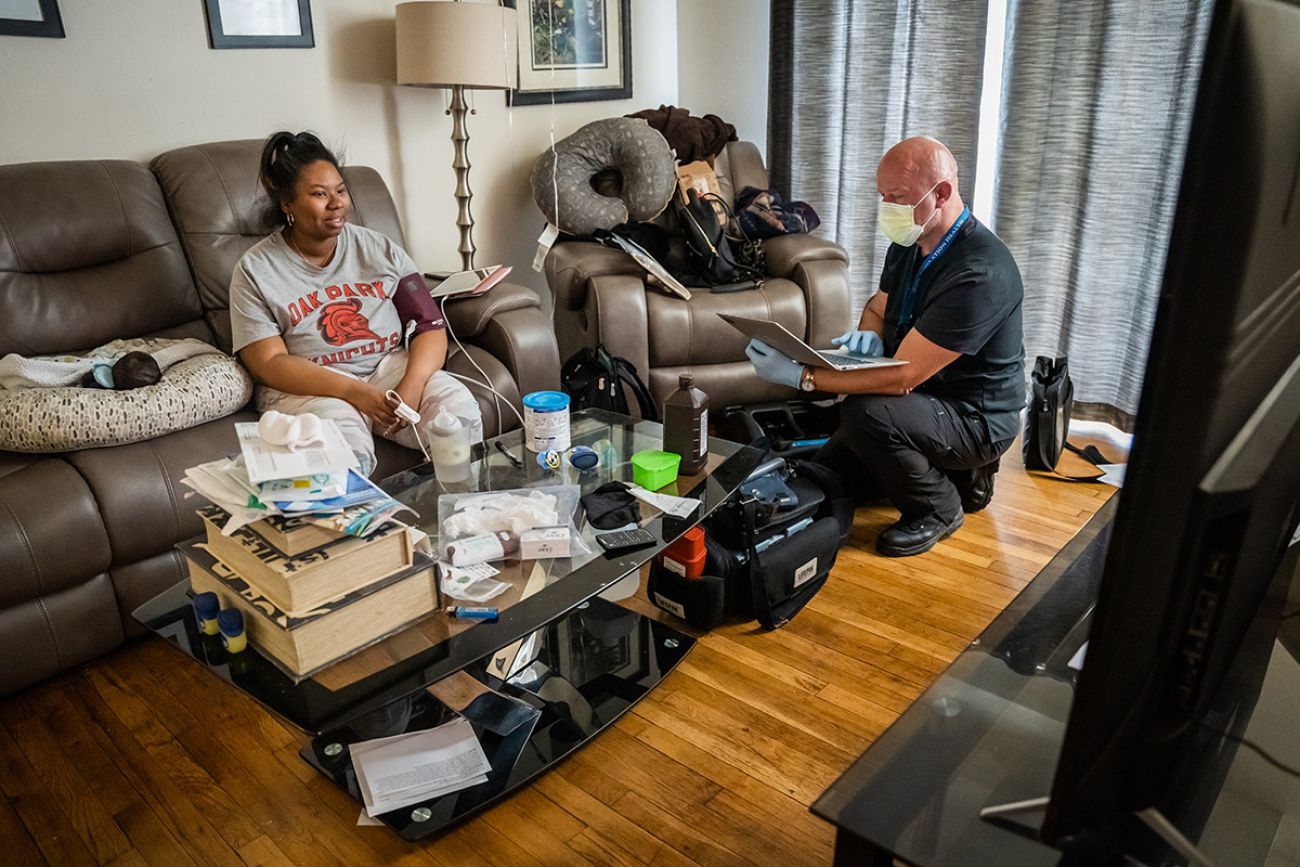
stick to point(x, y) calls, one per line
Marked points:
point(1047, 420)
point(594, 379)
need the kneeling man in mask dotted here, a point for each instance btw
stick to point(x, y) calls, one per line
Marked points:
point(927, 434)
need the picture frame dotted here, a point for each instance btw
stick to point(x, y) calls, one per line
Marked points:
point(588, 57)
point(31, 18)
point(259, 23)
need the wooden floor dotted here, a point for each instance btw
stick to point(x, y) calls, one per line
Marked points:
point(142, 758)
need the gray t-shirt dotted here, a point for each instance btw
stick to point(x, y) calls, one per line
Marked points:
point(341, 316)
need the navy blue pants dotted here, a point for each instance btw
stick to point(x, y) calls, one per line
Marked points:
point(908, 448)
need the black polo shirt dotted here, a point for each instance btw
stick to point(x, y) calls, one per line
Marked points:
point(968, 301)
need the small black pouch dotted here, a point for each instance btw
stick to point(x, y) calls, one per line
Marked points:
point(611, 506)
point(701, 601)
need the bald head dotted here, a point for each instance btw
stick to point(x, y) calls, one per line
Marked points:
point(921, 171)
point(919, 162)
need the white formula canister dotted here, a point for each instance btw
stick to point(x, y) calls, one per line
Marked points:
point(546, 421)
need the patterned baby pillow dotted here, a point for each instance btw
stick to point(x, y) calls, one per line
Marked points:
point(191, 392)
point(564, 178)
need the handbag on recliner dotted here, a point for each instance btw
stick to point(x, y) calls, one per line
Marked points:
point(708, 249)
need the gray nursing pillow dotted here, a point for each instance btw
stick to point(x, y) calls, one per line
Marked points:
point(565, 180)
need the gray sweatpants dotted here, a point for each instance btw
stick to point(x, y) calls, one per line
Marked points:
point(441, 390)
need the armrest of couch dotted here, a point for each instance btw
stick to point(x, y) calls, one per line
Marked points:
point(821, 270)
point(785, 253)
point(468, 317)
point(571, 266)
point(523, 340)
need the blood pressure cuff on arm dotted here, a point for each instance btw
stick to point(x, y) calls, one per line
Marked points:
point(414, 305)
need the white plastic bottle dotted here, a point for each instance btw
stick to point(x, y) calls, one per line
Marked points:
point(449, 447)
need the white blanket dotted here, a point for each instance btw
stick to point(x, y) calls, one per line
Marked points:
point(53, 371)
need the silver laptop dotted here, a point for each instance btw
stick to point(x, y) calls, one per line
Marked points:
point(779, 338)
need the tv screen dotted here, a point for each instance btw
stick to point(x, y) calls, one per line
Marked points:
point(1209, 505)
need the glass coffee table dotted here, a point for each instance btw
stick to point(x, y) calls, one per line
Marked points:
point(559, 664)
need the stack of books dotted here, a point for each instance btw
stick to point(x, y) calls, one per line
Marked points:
point(317, 578)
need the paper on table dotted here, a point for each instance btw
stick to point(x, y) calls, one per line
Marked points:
point(1076, 661)
point(1114, 474)
point(265, 461)
point(405, 769)
point(678, 507)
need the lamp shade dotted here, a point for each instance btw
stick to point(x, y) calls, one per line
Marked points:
point(442, 43)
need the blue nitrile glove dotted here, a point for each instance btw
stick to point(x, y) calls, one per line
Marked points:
point(773, 366)
point(865, 343)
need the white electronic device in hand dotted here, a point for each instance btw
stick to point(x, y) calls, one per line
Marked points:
point(402, 410)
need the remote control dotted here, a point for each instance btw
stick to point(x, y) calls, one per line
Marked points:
point(621, 540)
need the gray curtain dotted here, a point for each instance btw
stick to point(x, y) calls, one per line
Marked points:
point(850, 78)
point(1097, 98)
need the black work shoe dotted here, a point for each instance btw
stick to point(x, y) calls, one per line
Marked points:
point(975, 486)
point(915, 535)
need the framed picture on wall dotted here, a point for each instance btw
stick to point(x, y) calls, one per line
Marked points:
point(31, 18)
point(573, 51)
point(259, 23)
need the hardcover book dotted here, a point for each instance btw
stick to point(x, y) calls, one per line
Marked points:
point(303, 644)
point(303, 582)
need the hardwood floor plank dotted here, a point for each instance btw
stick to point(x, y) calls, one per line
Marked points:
point(61, 779)
point(183, 795)
point(782, 810)
point(262, 852)
point(19, 849)
point(600, 818)
point(678, 830)
point(154, 843)
point(41, 812)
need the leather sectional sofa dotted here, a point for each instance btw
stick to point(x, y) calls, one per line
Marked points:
point(96, 250)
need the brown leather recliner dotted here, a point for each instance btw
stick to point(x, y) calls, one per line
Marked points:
point(89, 253)
point(600, 296)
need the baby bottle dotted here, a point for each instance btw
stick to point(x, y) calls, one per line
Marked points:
point(449, 447)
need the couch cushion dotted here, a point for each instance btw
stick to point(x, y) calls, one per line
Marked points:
point(145, 508)
point(690, 332)
point(51, 534)
point(88, 253)
point(42, 636)
point(220, 207)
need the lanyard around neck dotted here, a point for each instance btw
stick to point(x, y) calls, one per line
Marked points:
point(908, 303)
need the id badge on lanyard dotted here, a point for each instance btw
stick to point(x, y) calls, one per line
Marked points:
point(907, 305)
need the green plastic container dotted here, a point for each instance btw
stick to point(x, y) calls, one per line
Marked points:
point(652, 469)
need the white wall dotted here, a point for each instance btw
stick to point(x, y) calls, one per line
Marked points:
point(134, 78)
point(722, 59)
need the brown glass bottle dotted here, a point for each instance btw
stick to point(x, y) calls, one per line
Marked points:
point(686, 425)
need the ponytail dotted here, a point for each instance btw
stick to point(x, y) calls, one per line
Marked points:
point(284, 156)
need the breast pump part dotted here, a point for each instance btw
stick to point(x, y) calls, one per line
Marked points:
point(293, 432)
point(449, 447)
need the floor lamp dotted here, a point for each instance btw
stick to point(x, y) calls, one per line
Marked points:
point(457, 44)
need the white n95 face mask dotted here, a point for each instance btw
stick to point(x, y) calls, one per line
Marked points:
point(897, 220)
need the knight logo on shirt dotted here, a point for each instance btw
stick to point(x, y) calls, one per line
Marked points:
point(341, 323)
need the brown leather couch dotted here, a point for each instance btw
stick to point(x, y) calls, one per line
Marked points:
point(96, 250)
point(600, 296)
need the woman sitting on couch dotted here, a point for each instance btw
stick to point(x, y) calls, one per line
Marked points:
point(319, 319)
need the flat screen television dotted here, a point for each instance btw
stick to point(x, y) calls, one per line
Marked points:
point(1209, 505)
